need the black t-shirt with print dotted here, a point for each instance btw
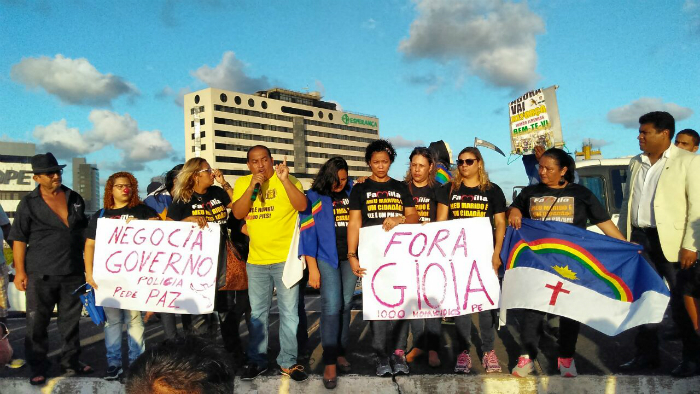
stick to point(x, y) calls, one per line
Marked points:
point(141, 212)
point(471, 202)
point(341, 212)
point(573, 204)
point(425, 199)
point(380, 200)
point(212, 205)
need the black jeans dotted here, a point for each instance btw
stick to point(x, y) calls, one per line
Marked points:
point(388, 336)
point(487, 329)
point(647, 340)
point(237, 307)
point(426, 334)
point(170, 324)
point(530, 328)
point(43, 293)
point(302, 328)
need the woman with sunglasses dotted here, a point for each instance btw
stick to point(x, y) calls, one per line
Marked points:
point(555, 198)
point(471, 194)
point(397, 207)
point(121, 201)
point(197, 200)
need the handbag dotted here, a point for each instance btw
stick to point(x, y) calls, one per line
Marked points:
point(5, 347)
point(236, 274)
point(87, 298)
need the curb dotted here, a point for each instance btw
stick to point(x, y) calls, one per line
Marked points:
point(501, 384)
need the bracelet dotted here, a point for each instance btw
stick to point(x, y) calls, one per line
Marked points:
point(352, 254)
point(403, 219)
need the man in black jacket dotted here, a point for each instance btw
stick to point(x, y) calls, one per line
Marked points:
point(48, 254)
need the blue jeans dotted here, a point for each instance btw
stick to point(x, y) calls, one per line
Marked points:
point(337, 288)
point(261, 280)
point(116, 318)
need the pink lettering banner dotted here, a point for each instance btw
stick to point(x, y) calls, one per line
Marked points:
point(423, 271)
point(158, 266)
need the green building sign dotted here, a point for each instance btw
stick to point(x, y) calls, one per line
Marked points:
point(348, 120)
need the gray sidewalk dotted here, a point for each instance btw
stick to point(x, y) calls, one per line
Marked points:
point(597, 359)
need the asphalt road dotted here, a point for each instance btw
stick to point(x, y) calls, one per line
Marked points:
point(597, 354)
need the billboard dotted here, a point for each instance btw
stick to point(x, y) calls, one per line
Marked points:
point(534, 120)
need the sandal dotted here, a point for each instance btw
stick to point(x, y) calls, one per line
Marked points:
point(37, 380)
point(80, 369)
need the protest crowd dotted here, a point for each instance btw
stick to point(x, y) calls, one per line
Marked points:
point(266, 213)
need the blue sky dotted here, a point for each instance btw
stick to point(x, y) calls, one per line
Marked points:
point(103, 79)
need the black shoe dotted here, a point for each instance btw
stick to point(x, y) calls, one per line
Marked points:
point(252, 371)
point(685, 369)
point(640, 362)
point(330, 384)
point(296, 372)
point(114, 373)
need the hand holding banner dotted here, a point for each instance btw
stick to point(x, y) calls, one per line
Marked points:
point(157, 266)
point(419, 271)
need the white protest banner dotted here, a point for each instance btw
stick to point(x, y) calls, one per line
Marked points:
point(157, 266)
point(534, 120)
point(418, 271)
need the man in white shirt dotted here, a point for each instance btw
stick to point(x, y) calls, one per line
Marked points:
point(660, 211)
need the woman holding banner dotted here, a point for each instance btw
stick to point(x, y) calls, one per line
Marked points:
point(197, 200)
point(556, 198)
point(484, 198)
point(324, 242)
point(121, 201)
point(420, 179)
point(366, 210)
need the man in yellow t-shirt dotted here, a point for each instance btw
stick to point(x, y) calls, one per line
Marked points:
point(269, 200)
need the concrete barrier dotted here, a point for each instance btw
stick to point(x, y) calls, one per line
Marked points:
point(441, 384)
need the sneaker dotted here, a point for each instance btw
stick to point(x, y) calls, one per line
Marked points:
point(398, 362)
point(464, 363)
point(490, 362)
point(252, 371)
point(383, 367)
point(114, 373)
point(525, 367)
point(296, 372)
point(567, 367)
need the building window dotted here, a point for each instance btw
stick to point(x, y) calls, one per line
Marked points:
point(201, 121)
point(193, 149)
point(251, 102)
point(223, 97)
point(264, 105)
point(320, 114)
point(237, 100)
point(196, 99)
point(297, 111)
point(203, 147)
point(330, 116)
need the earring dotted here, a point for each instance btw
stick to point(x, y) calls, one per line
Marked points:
point(562, 182)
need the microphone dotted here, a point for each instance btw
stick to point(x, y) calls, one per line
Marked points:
point(256, 190)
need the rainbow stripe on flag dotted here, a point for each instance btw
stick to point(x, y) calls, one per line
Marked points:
point(442, 175)
point(306, 223)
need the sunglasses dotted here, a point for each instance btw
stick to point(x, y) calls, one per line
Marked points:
point(209, 170)
point(468, 162)
point(52, 173)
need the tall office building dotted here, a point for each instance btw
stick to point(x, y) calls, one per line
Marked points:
point(221, 125)
point(86, 181)
point(15, 174)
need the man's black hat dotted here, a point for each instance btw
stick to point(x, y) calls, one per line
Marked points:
point(42, 164)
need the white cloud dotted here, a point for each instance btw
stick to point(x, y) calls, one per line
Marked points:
point(401, 142)
point(73, 81)
point(492, 39)
point(369, 24)
point(230, 74)
point(63, 141)
point(628, 115)
point(177, 97)
point(692, 9)
point(431, 81)
point(108, 129)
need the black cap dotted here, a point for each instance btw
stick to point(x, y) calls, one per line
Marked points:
point(42, 164)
